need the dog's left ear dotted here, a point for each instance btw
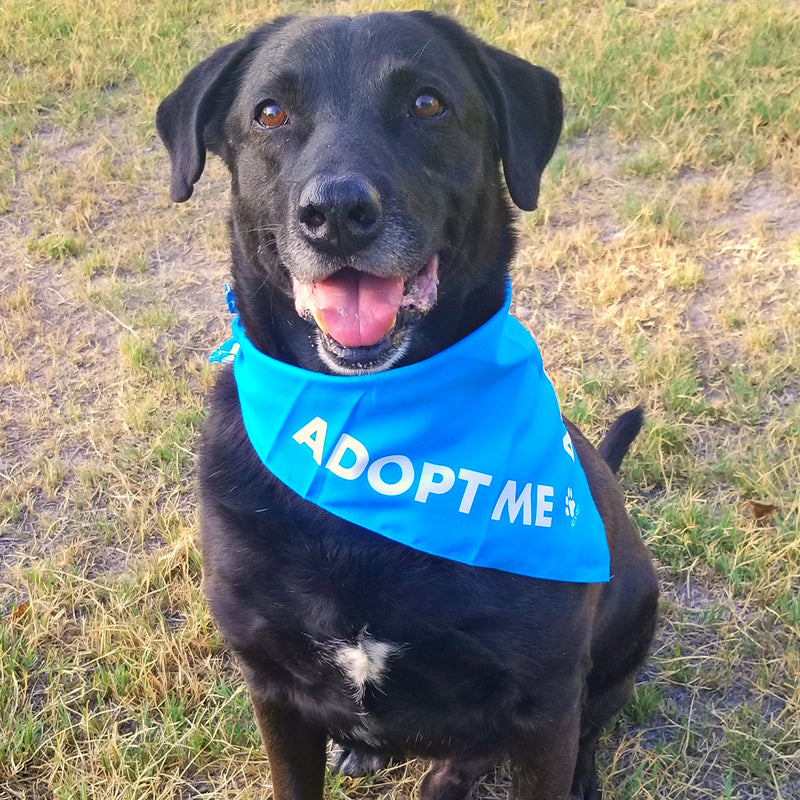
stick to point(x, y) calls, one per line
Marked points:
point(526, 103)
point(529, 113)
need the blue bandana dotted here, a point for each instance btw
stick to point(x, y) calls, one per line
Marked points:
point(463, 455)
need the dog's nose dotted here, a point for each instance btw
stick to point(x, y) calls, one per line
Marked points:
point(340, 215)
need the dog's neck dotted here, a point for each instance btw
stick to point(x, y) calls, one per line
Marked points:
point(307, 428)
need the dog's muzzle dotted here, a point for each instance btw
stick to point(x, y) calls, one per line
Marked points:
point(364, 320)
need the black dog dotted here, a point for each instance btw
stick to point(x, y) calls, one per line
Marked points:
point(364, 156)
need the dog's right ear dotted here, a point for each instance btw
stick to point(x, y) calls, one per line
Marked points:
point(190, 120)
point(192, 116)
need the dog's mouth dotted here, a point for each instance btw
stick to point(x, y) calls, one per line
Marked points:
point(364, 320)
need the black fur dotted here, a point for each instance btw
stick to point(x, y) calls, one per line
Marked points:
point(620, 436)
point(486, 664)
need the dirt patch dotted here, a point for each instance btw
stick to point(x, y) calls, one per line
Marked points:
point(764, 201)
point(69, 409)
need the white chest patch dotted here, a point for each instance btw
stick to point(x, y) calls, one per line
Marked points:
point(364, 661)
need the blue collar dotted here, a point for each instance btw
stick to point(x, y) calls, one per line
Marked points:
point(463, 455)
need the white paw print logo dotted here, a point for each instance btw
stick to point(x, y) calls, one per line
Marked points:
point(570, 504)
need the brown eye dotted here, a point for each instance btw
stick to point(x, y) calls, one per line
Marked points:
point(271, 115)
point(427, 105)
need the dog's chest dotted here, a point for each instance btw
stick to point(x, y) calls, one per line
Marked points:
point(381, 644)
point(364, 665)
point(364, 662)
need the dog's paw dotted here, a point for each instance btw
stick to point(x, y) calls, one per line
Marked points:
point(453, 780)
point(354, 763)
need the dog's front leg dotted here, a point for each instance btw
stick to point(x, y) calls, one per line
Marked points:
point(296, 750)
point(543, 762)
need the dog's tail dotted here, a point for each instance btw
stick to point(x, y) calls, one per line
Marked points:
point(620, 436)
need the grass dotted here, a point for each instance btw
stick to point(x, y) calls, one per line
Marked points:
point(662, 268)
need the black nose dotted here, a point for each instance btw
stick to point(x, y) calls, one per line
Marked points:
point(340, 215)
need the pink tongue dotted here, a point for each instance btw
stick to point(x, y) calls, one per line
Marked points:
point(356, 309)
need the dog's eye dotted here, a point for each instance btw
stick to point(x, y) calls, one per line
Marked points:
point(271, 115)
point(427, 105)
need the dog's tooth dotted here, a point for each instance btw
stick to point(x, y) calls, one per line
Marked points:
point(318, 318)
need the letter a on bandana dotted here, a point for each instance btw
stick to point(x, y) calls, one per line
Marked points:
point(463, 455)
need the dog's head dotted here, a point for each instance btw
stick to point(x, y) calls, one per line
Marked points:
point(370, 223)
